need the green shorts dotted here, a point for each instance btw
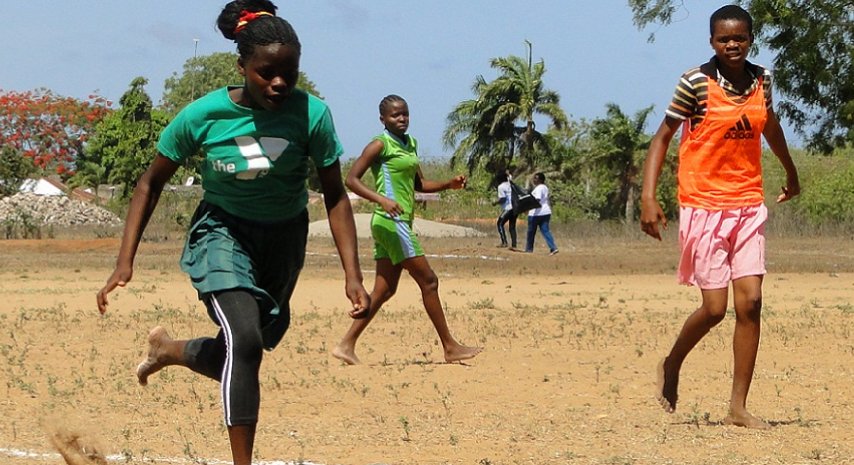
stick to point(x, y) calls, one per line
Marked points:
point(394, 239)
point(226, 252)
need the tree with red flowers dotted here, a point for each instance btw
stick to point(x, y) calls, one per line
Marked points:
point(47, 129)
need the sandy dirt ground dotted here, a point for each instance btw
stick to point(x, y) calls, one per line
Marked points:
point(566, 376)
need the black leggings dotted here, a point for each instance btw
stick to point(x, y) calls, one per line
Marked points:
point(234, 356)
point(507, 215)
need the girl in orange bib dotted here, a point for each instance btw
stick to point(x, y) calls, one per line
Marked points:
point(724, 106)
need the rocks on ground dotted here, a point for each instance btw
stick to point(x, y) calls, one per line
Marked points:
point(44, 210)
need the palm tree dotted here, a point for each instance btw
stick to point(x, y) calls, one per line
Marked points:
point(619, 145)
point(484, 130)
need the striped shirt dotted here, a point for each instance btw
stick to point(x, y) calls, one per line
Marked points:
point(692, 93)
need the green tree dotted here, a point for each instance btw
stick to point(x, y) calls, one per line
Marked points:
point(813, 42)
point(88, 174)
point(205, 73)
point(14, 169)
point(477, 137)
point(484, 130)
point(125, 142)
point(618, 147)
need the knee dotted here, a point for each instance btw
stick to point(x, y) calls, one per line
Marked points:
point(749, 307)
point(430, 283)
point(248, 347)
point(714, 314)
point(383, 296)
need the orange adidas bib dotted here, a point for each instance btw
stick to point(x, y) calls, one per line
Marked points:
point(720, 160)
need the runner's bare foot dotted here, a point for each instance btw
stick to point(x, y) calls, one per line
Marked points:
point(746, 420)
point(157, 357)
point(346, 355)
point(460, 353)
point(666, 387)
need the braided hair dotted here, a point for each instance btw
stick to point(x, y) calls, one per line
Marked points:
point(264, 28)
point(388, 100)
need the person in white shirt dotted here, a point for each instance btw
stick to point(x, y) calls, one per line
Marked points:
point(540, 217)
point(507, 216)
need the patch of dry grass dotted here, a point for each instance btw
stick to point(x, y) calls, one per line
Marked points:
point(567, 374)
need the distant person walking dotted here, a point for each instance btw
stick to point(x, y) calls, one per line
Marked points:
point(507, 215)
point(246, 245)
point(392, 158)
point(723, 107)
point(539, 218)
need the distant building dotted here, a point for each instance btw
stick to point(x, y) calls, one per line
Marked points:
point(43, 186)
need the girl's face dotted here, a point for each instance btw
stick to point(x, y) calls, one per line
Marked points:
point(270, 75)
point(395, 118)
point(731, 42)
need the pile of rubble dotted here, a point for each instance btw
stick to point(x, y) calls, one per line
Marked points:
point(53, 210)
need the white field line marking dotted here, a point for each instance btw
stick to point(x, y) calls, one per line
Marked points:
point(479, 257)
point(41, 456)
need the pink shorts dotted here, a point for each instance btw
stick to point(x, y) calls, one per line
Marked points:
point(718, 246)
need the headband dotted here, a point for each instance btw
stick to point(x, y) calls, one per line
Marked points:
point(247, 17)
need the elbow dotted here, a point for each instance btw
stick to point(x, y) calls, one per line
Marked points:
point(350, 182)
point(146, 186)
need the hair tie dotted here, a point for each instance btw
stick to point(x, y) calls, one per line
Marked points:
point(247, 17)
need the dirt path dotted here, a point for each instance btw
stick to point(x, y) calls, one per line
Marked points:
point(567, 373)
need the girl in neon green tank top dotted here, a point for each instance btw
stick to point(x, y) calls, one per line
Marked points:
point(392, 158)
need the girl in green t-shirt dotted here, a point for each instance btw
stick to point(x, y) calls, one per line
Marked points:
point(246, 245)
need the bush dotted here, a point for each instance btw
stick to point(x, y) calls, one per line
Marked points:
point(827, 192)
point(21, 224)
point(830, 197)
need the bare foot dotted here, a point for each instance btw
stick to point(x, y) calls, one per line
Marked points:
point(157, 357)
point(460, 352)
point(666, 387)
point(746, 420)
point(346, 355)
point(76, 450)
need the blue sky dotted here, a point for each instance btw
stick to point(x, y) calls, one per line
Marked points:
point(356, 52)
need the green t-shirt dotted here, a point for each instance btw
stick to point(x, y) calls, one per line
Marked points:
point(256, 161)
point(394, 173)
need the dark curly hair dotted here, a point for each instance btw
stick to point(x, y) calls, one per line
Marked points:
point(731, 12)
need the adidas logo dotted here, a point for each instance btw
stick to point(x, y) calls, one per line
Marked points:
point(741, 130)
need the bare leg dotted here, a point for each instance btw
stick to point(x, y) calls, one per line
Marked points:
point(388, 276)
point(420, 270)
point(242, 439)
point(162, 352)
point(698, 324)
point(747, 294)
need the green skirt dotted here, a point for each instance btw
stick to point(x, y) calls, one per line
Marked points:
point(225, 252)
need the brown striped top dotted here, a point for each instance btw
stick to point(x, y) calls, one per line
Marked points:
point(691, 95)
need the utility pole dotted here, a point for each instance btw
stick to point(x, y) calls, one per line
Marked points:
point(193, 70)
point(528, 43)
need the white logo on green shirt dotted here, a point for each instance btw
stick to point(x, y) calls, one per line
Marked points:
point(259, 156)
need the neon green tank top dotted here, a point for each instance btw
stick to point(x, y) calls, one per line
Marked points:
point(395, 171)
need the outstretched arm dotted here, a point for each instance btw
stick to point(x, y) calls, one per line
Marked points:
point(651, 212)
point(142, 205)
point(343, 229)
point(428, 186)
point(776, 139)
